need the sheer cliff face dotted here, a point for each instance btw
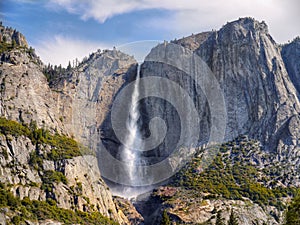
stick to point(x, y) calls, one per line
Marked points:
point(260, 98)
point(25, 94)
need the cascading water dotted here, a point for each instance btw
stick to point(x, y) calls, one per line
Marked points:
point(130, 155)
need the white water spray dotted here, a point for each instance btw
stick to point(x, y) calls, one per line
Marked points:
point(129, 154)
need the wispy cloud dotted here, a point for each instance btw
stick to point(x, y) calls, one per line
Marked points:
point(188, 16)
point(61, 50)
point(194, 15)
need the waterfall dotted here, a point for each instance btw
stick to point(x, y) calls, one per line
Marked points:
point(130, 155)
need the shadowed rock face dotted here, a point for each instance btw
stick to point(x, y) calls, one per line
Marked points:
point(162, 108)
point(291, 57)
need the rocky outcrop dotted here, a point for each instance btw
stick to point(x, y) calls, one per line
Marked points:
point(25, 94)
point(87, 93)
point(259, 96)
point(125, 206)
point(11, 36)
point(194, 41)
point(184, 208)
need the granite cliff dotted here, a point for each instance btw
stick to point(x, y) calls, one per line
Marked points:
point(258, 78)
point(27, 97)
point(260, 96)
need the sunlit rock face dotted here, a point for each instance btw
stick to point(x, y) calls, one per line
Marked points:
point(75, 104)
point(87, 93)
point(11, 36)
point(260, 98)
point(259, 95)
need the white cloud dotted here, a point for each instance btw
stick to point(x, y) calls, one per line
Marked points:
point(195, 15)
point(188, 16)
point(61, 50)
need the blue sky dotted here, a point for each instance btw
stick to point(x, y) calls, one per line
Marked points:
point(62, 30)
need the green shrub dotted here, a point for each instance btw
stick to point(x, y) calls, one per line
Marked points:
point(5, 47)
point(50, 177)
point(9, 127)
point(63, 147)
point(293, 213)
point(16, 220)
point(165, 219)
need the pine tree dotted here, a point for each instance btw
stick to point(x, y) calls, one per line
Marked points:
point(293, 213)
point(69, 66)
point(219, 220)
point(14, 43)
point(233, 219)
point(165, 219)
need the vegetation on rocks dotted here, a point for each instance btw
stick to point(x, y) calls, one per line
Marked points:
point(232, 176)
point(232, 219)
point(50, 177)
point(165, 219)
point(62, 146)
point(293, 212)
point(27, 210)
point(5, 47)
